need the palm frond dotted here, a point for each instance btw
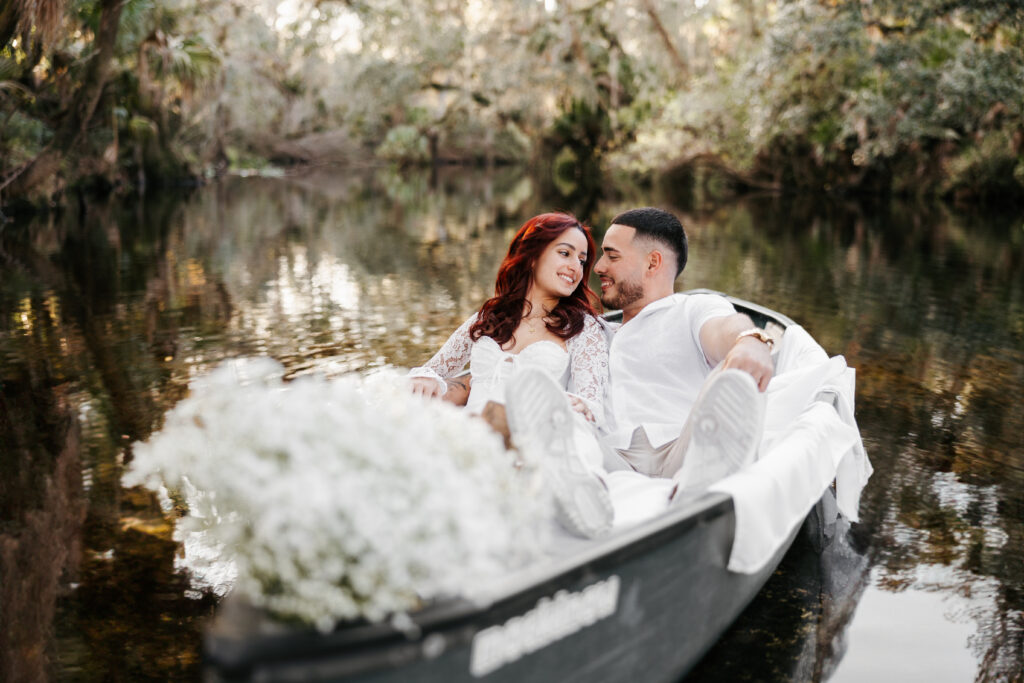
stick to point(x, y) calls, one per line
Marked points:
point(14, 86)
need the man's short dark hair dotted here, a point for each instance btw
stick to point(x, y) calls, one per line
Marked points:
point(660, 226)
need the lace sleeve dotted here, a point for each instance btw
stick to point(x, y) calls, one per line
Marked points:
point(451, 358)
point(588, 364)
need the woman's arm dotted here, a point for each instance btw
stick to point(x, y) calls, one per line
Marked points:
point(429, 379)
point(588, 367)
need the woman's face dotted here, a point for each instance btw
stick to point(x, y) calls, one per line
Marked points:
point(560, 267)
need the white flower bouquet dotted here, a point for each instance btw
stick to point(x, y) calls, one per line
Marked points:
point(341, 499)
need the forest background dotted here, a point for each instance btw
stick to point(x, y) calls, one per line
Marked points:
point(876, 96)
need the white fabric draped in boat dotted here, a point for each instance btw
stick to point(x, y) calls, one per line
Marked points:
point(807, 445)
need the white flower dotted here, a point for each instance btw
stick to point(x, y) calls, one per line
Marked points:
point(340, 499)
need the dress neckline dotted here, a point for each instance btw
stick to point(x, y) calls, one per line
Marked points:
point(527, 347)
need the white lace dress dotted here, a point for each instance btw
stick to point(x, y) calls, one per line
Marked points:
point(581, 368)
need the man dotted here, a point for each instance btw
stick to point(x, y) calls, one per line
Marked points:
point(663, 355)
point(687, 379)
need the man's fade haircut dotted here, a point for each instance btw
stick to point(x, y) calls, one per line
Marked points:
point(660, 226)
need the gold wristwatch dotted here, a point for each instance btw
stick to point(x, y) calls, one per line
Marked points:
point(759, 334)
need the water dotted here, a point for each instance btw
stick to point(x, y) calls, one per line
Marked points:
point(106, 315)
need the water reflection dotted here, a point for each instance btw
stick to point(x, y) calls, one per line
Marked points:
point(927, 305)
point(106, 316)
point(900, 630)
point(797, 628)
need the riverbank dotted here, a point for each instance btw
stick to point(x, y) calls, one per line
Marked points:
point(703, 181)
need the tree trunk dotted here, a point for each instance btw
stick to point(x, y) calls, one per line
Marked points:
point(666, 39)
point(45, 166)
point(8, 24)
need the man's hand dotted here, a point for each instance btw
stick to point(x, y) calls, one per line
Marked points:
point(754, 356)
point(721, 342)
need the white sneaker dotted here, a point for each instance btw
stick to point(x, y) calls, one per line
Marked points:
point(723, 430)
point(540, 420)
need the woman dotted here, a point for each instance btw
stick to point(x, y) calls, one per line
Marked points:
point(540, 328)
point(541, 316)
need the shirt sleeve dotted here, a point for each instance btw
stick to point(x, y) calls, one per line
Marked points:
point(588, 367)
point(451, 358)
point(705, 307)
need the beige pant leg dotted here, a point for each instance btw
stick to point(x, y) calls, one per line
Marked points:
point(663, 461)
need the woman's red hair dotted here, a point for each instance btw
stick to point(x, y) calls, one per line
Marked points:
point(500, 315)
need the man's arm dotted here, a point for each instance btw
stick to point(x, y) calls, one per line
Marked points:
point(458, 389)
point(721, 342)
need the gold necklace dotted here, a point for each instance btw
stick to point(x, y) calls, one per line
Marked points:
point(531, 321)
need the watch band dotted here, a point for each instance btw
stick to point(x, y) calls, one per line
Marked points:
point(759, 334)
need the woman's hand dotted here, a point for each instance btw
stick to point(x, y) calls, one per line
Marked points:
point(580, 407)
point(425, 386)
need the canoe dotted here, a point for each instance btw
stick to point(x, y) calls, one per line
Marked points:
point(645, 603)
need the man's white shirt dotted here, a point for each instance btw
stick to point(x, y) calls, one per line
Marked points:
point(658, 367)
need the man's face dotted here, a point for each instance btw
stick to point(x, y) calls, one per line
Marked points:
point(620, 268)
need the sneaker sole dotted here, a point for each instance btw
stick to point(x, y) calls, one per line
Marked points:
point(722, 434)
point(541, 422)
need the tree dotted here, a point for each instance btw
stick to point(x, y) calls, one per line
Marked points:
point(72, 124)
point(912, 97)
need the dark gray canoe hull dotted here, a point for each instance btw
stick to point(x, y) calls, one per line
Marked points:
point(674, 599)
